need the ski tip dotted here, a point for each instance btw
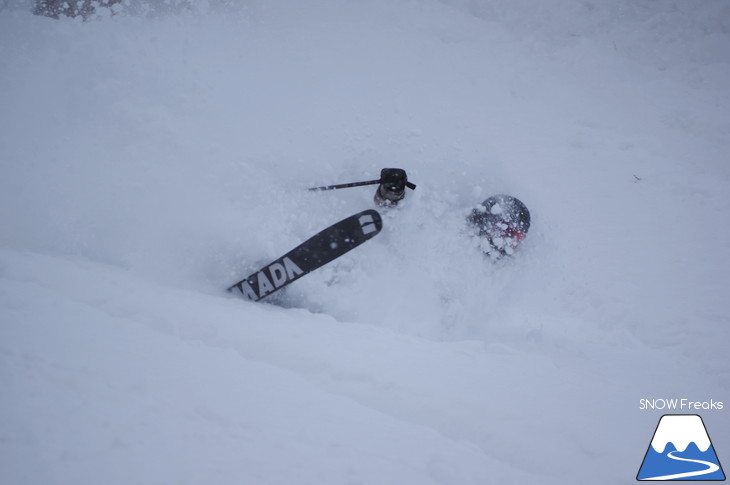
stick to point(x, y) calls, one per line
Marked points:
point(370, 222)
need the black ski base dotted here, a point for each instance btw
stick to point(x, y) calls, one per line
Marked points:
point(313, 253)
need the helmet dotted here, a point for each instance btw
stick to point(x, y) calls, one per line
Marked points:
point(503, 220)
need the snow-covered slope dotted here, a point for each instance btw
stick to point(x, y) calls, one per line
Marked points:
point(151, 158)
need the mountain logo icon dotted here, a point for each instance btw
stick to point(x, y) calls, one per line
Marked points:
point(680, 450)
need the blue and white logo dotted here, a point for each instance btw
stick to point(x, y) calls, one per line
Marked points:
point(681, 450)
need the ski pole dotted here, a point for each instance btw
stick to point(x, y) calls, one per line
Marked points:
point(345, 186)
point(391, 175)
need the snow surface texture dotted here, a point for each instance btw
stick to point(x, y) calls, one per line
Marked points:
point(150, 158)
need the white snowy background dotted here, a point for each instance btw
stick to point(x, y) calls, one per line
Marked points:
point(151, 158)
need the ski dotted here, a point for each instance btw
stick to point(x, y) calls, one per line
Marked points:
point(313, 253)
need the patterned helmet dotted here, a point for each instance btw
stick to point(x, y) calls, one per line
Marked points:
point(503, 220)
